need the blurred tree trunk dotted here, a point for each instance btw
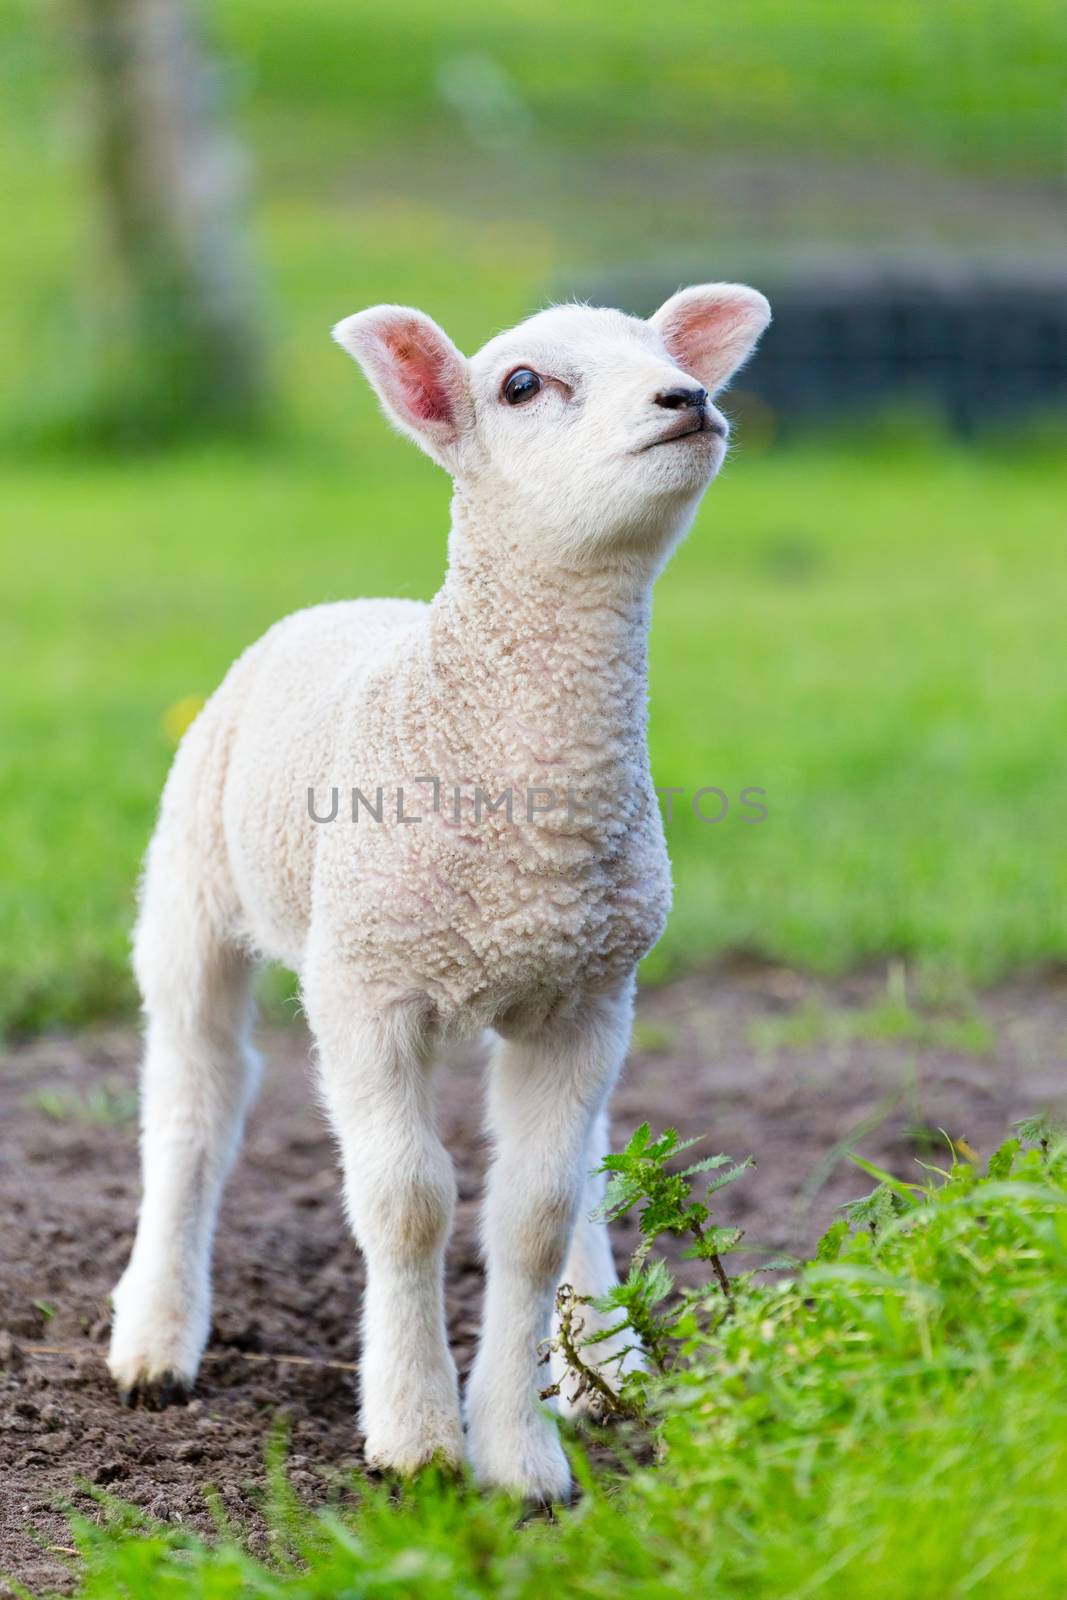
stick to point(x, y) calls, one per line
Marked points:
point(170, 180)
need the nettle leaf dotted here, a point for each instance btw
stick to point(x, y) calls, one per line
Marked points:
point(1038, 1130)
point(716, 1241)
point(621, 1195)
point(708, 1164)
point(662, 1149)
point(630, 1158)
point(1002, 1159)
point(729, 1177)
point(638, 1140)
point(610, 1332)
point(659, 1216)
point(876, 1209)
point(829, 1246)
point(653, 1281)
point(614, 1300)
point(687, 1144)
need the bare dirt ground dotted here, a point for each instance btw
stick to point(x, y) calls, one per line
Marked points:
point(729, 1054)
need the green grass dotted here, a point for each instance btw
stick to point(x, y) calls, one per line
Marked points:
point(899, 698)
point(104, 1105)
point(892, 1018)
point(889, 1422)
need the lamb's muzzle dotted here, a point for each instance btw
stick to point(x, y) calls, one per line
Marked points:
point(526, 671)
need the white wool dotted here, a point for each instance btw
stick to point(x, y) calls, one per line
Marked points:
point(527, 672)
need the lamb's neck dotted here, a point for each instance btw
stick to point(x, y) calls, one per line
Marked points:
point(546, 664)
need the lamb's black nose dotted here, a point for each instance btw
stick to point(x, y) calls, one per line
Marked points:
point(682, 399)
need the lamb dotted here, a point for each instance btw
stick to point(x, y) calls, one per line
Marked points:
point(580, 444)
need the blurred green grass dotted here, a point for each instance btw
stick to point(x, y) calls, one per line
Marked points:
point(966, 81)
point(869, 630)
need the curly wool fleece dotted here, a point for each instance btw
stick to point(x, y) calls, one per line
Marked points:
point(510, 679)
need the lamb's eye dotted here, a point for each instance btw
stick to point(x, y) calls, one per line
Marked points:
point(522, 385)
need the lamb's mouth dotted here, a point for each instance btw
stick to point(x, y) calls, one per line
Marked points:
point(700, 424)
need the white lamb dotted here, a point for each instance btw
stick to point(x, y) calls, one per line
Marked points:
point(580, 444)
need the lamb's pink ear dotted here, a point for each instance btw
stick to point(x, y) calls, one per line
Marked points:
point(418, 374)
point(711, 329)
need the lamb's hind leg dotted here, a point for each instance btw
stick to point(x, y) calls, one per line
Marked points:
point(198, 1076)
point(590, 1272)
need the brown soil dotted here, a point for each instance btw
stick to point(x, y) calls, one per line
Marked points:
point(288, 1276)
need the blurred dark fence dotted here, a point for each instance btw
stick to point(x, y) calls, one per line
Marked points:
point(980, 346)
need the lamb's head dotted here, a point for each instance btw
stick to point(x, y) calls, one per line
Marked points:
point(585, 430)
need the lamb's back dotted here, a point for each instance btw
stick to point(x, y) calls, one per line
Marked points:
point(301, 680)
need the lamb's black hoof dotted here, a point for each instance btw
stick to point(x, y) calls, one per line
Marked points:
point(156, 1394)
point(535, 1508)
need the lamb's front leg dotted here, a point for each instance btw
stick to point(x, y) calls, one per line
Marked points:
point(400, 1194)
point(544, 1098)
